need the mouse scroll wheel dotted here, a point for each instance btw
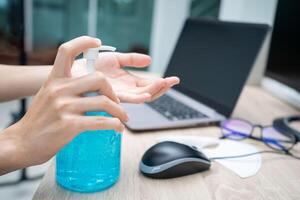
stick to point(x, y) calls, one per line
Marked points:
point(194, 147)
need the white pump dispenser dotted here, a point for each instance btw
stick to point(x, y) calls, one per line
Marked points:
point(92, 54)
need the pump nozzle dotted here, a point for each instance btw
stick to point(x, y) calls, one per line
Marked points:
point(92, 54)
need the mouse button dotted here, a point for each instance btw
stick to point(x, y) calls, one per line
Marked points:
point(188, 151)
point(153, 158)
point(163, 153)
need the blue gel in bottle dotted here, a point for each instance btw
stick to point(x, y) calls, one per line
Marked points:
point(91, 161)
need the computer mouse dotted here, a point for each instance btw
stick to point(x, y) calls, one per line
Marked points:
point(171, 159)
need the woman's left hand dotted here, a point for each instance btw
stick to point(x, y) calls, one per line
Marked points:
point(128, 87)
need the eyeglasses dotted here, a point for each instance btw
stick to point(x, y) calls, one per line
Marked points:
point(238, 129)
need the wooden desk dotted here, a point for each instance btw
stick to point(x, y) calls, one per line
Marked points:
point(278, 178)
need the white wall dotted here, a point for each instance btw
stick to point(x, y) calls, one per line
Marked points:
point(168, 19)
point(248, 10)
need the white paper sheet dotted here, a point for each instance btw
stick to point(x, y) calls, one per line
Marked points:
point(245, 166)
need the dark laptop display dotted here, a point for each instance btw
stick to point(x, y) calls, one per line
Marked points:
point(213, 60)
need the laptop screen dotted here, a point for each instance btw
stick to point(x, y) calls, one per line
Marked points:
point(213, 60)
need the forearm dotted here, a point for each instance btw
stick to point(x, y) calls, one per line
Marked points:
point(21, 81)
point(10, 153)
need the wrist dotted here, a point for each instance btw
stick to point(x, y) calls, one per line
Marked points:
point(11, 155)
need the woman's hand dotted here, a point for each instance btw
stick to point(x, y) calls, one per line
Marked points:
point(56, 115)
point(128, 87)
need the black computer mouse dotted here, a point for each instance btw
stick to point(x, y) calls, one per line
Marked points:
point(171, 160)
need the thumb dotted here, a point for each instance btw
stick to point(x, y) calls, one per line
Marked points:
point(68, 51)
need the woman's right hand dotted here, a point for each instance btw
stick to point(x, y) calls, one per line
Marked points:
point(56, 115)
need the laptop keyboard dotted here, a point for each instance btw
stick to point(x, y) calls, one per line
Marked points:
point(174, 110)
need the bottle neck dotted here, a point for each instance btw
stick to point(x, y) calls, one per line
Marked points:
point(90, 63)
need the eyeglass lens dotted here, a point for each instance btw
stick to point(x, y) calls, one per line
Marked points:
point(238, 129)
point(277, 140)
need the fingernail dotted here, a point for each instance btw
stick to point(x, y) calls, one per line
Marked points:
point(127, 118)
point(99, 41)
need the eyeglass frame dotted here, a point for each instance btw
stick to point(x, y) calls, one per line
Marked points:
point(250, 136)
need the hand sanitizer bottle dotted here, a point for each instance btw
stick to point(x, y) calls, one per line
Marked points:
point(91, 161)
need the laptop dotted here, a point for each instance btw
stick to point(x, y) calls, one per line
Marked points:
point(213, 60)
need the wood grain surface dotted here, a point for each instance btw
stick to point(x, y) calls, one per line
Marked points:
point(278, 178)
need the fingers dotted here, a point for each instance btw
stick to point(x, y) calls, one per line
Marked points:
point(133, 59)
point(170, 82)
point(68, 51)
point(93, 82)
point(134, 98)
point(98, 123)
point(100, 103)
point(150, 86)
point(148, 90)
point(157, 87)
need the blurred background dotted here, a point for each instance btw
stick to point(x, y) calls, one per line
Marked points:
point(125, 24)
point(31, 31)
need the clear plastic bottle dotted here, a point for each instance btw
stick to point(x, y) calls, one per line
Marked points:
point(91, 161)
